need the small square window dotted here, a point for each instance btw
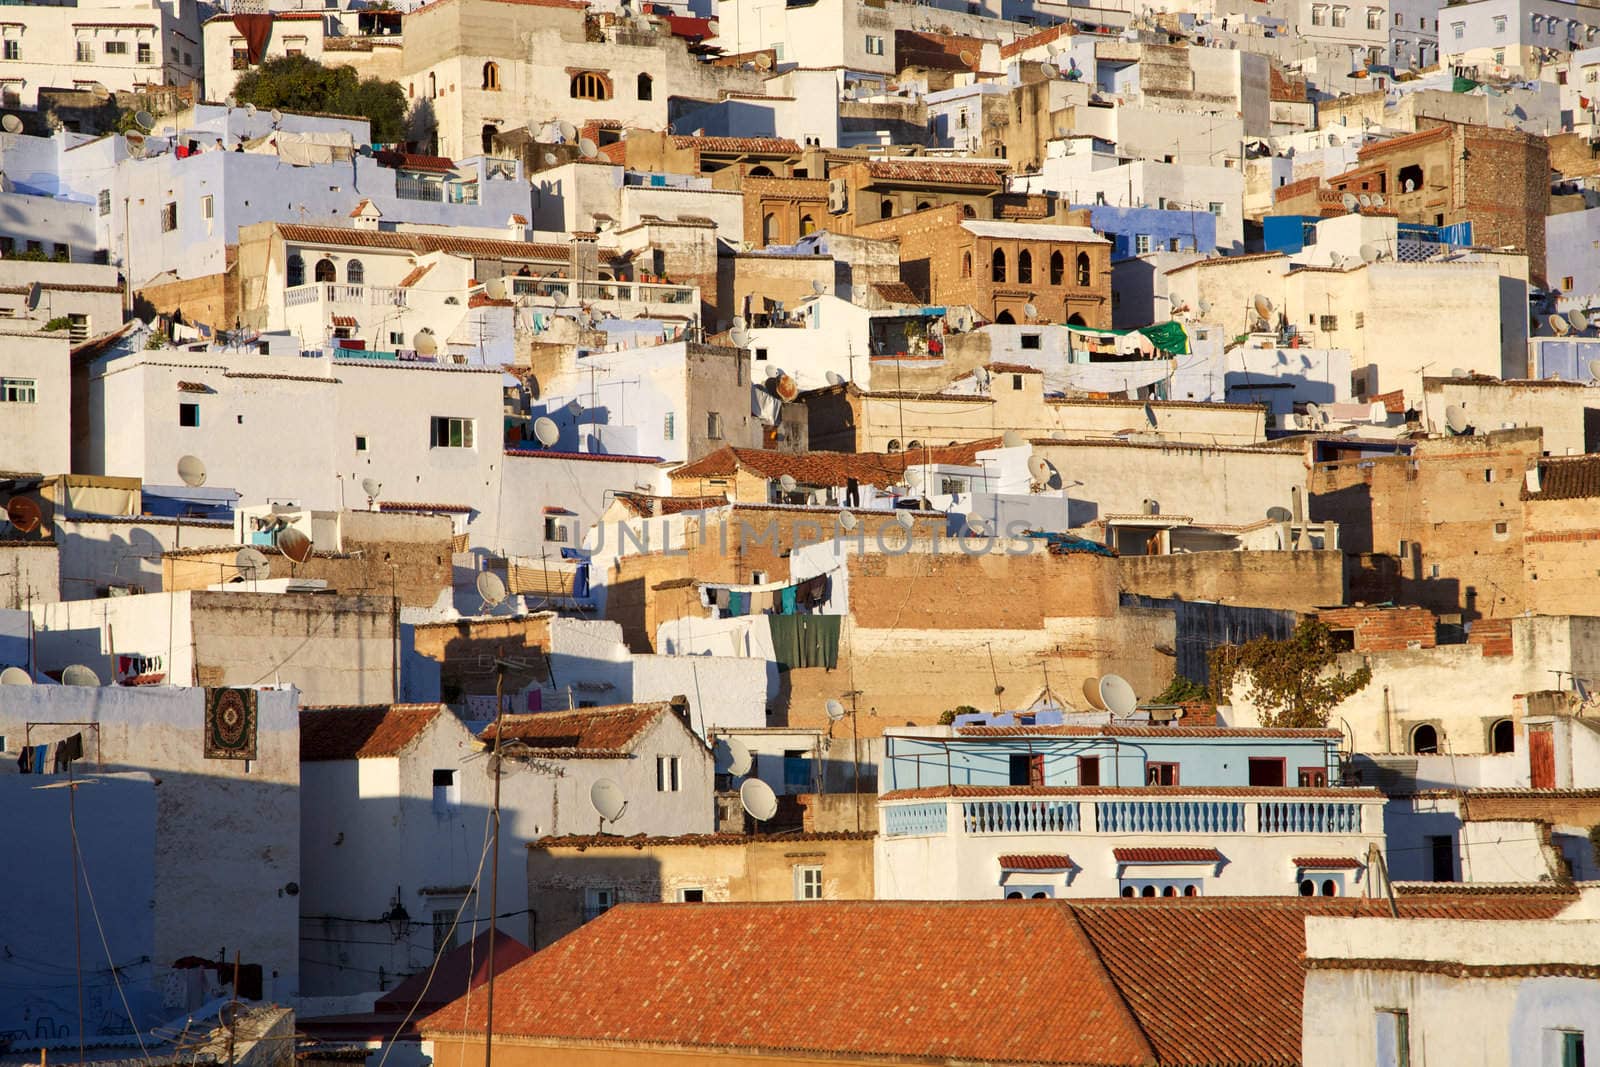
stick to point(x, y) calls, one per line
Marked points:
point(169, 217)
point(761, 355)
point(13, 49)
point(691, 896)
point(808, 883)
point(596, 902)
point(555, 529)
point(361, 442)
point(714, 425)
point(1500, 529)
point(189, 415)
point(1030, 341)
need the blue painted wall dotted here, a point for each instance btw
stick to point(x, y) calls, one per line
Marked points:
point(1193, 230)
point(1285, 233)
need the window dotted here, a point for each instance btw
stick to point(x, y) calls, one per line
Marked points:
point(361, 442)
point(714, 425)
point(769, 228)
point(444, 791)
point(644, 87)
point(691, 896)
point(796, 770)
point(13, 48)
point(1424, 740)
point(103, 202)
point(1088, 770)
point(874, 45)
point(169, 217)
point(667, 780)
point(1328, 322)
point(1341, 15)
point(808, 225)
point(189, 415)
point(587, 85)
point(1025, 267)
point(85, 51)
point(1266, 771)
point(667, 426)
point(143, 52)
point(1319, 15)
point(1399, 19)
point(59, 252)
point(808, 883)
point(355, 272)
point(966, 264)
point(555, 529)
point(1572, 1049)
point(19, 391)
point(886, 209)
point(1499, 55)
point(1016, 382)
point(491, 77)
point(1161, 774)
point(326, 271)
point(1141, 244)
point(1459, 28)
point(77, 328)
point(1082, 265)
point(1392, 1028)
point(116, 48)
point(1027, 768)
point(1500, 529)
point(297, 271)
point(1313, 777)
point(997, 265)
point(1566, 283)
point(1030, 341)
point(1499, 24)
point(1374, 18)
point(596, 902)
point(444, 930)
point(1502, 737)
point(1058, 268)
point(448, 432)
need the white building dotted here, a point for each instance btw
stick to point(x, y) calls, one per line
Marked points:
point(395, 814)
point(35, 401)
point(123, 45)
point(1514, 38)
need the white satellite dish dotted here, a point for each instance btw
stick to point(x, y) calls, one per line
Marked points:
point(976, 525)
point(588, 148)
point(981, 376)
point(15, 676)
point(192, 471)
point(905, 518)
point(1594, 369)
point(550, 159)
point(11, 124)
point(759, 801)
point(1262, 304)
point(1369, 253)
point(1205, 307)
point(1279, 514)
point(1410, 185)
point(1039, 468)
point(1030, 311)
point(1364, 200)
point(835, 710)
point(294, 544)
point(1578, 320)
point(1013, 439)
point(252, 564)
point(425, 342)
point(764, 61)
point(787, 483)
point(1335, 260)
point(914, 477)
point(1460, 372)
point(372, 487)
point(566, 129)
point(491, 588)
point(78, 674)
point(608, 799)
point(732, 756)
point(1117, 695)
point(1314, 413)
point(817, 286)
point(1091, 693)
point(847, 521)
point(1456, 419)
point(250, 109)
point(545, 431)
point(1378, 200)
point(134, 141)
point(496, 289)
point(1349, 201)
point(739, 336)
point(276, 115)
point(1560, 325)
point(834, 378)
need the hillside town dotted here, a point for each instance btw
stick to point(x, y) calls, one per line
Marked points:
point(938, 532)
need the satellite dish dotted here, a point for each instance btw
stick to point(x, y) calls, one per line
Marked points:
point(1030, 311)
point(144, 120)
point(731, 756)
point(566, 129)
point(834, 378)
point(608, 799)
point(425, 342)
point(1335, 260)
point(976, 525)
point(372, 487)
point(1459, 372)
point(277, 116)
point(1262, 305)
point(1456, 419)
point(1117, 695)
point(252, 564)
point(1559, 325)
point(231, 101)
point(134, 141)
point(1314, 413)
point(1369, 253)
point(847, 521)
point(1410, 185)
point(758, 799)
point(1150, 415)
point(835, 710)
point(713, 27)
point(78, 674)
point(905, 518)
point(1050, 70)
point(295, 545)
point(1364, 200)
point(1378, 200)
point(1349, 201)
point(550, 159)
point(491, 589)
point(786, 388)
point(588, 148)
point(1279, 514)
point(1578, 320)
point(192, 471)
point(817, 286)
point(1594, 369)
point(914, 477)
point(739, 336)
point(24, 514)
point(1205, 307)
point(981, 376)
point(787, 483)
point(15, 675)
point(1039, 467)
point(966, 58)
point(496, 289)
point(11, 124)
point(1013, 439)
point(545, 431)
point(250, 109)
point(1091, 693)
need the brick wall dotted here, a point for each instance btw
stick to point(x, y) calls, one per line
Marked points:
point(1295, 581)
point(1492, 635)
point(1385, 629)
point(1566, 808)
point(213, 299)
point(465, 650)
point(1561, 555)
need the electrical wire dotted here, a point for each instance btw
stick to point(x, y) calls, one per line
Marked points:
point(106, 945)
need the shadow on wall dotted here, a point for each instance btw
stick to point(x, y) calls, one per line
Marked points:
point(567, 891)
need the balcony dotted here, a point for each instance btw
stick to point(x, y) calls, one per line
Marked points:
point(529, 290)
point(340, 293)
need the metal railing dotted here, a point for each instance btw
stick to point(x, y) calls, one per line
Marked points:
point(910, 820)
point(1122, 815)
point(1019, 816)
point(1308, 817)
point(344, 293)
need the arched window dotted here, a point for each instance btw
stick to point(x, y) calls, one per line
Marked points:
point(807, 225)
point(1025, 267)
point(894, 444)
point(491, 77)
point(769, 228)
point(1148, 891)
point(1330, 888)
point(967, 212)
point(1191, 890)
point(966, 264)
point(1424, 740)
point(1503, 737)
point(297, 271)
point(355, 273)
point(326, 271)
point(645, 89)
point(1127, 890)
point(1308, 888)
point(1076, 319)
point(761, 170)
point(587, 85)
point(997, 264)
point(886, 209)
point(1083, 268)
point(1005, 318)
point(923, 205)
point(1169, 891)
point(1058, 268)
point(1041, 895)
point(912, 446)
point(1014, 895)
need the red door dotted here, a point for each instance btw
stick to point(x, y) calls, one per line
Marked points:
point(1542, 757)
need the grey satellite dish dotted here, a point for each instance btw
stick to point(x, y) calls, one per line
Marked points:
point(192, 471)
point(1335, 260)
point(739, 337)
point(491, 589)
point(1013, 439)
point(567, 130)
point(1262, 304)
point(847, 521)
point(15, 676)
point(1459, 372)
point(588, 148)
point(230, 101)
point(817, 286)
point(1559, 325)
point(1039, 467)
point(1578, 320)
point(787, 483)
point(981, 376)
point(738, 322)
point(295, 545)
point(1091, 693)
point(1456, 419)
point(1279, 514)
point(905, 518)
point(250, 109)
point(1205, 307)
point(11, 124)
point(1314, 413)
point(608, 799)
point(425, 342)
point(277, 116)
point(1378, 200)
point(1369, 253)
point(545, 431)
point(834, 378)
point(144, 120)
point(372, 487)
point(914, 477)
point(1030, 311)
point(835, 710)
point(1594, 369)
point(1349, 201)
point(550, 159)
point(252, 564)
point(759, 801)
point(730, 756)
point(78, 674)
point(1364, 200)
point(976, 525)
point(1117, 695)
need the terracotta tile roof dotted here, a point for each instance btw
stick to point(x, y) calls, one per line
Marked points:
point(1245, 792)
point(1409, 140)
point(1329, 863)
point(408, 506)
point(345, 321)
point(418, 243)
point(1037, 40)
point(355, 212)
point(927, 170)
point(1248, 732)
point(1567, 478)
point(1167, 855)
point(755, 145)
point(593, 732)
point(1028, 862)
point(586, 457)
point(1394, 403)
point(462, 969)
point(362, 732)
point(828, 468)
point(193, 387)
point(895, 293)
point(416, 275)
point(644, 505)
point(483, 300)
point(924, 980)
point(414, 161)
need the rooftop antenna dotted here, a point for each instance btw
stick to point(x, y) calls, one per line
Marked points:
point(566, 129)
point(759, 801)
point(252, 564)
point(786, 388)
point(294, 545)
point(1335, 260)
point(732, 756)
point(1560, 325)
point(1456, 419)
point(976, 526)
point(980, 375)
point(372, 487)
point(425, 342)
point(23, 514)
point(1041, 471)
point(15, 676)
point(11, 124)
point(1378, 200)
point(905, 518)
point(763, 61)
point(78, 674)
point(1314, 413)
point(1117, 695)
point(277, 118)
point(1369, 253)
point(231, 101)
point(739, 336)
point(545, 431)
point(250, 109)
point(192, 471)
point(491, 589)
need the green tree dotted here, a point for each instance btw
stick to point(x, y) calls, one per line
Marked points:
point(1290, 681)
point(296, 83)
point(1182, 690)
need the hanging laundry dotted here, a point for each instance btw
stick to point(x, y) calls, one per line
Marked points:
point(805, 640)
point(737, 603)
point(786, 599)
point(67, 751)
point(814, 590)
point(41, 753)
point(25, 760)
point(723, 595)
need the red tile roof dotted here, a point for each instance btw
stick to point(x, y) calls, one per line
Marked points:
point(594, 733)
point(416, 275)
point(1037, 40)
point(345, 321)
point(586, 457)
point(895, 293)
point(1567, 478)
point(459, 970)
point(644, 505)
point(1167, 855)
point(756, 145)
point(828, 468)
point(362, 732)
point(940, 171)
point(1018, 861)
point(924, 980)
point(1329, 863)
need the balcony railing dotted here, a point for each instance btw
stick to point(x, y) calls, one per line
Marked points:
point(341, 293)
point(1019, 816)
point(914, 820)
point(1169, 817)
point(624, 292)
point(1123, 815)
point(1308, 817)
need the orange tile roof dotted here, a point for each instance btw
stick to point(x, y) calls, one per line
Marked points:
point(1329, 863)
point(924, 979)
point(416, 275)
point(1566, 478)
point(419, 243)
point(1030, 862)
point(928, 170)
point(362, 732)
point(1167, 855)
point(760, 145)
point(895, 293)
point(593, 732)
point(1043, 37)
point(828, 468)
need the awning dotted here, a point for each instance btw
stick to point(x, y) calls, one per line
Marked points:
point(1169, 337)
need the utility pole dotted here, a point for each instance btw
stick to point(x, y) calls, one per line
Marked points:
point(494, 869)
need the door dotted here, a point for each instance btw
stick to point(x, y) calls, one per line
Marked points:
point(1542, 757)
point(1036, 769)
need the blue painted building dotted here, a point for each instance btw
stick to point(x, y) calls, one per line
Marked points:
point(1135, 231)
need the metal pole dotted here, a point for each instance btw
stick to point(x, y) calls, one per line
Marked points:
point(494, 870)
point(855, 760)
point(77, 930)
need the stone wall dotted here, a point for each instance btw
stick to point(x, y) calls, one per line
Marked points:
point(1292, 581)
